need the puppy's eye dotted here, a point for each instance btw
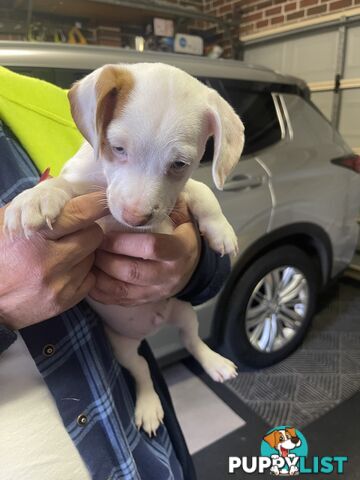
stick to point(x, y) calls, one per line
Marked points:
point(120, 150)
point(178, 166)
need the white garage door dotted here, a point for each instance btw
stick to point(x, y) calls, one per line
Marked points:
point(314, 57)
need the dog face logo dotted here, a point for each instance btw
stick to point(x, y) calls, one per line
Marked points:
point(283, 440)
point(284, 445)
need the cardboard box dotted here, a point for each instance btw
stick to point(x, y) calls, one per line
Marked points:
point(191, 44)
point(163, 27)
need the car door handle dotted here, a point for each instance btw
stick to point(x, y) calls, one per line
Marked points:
point(240, 182)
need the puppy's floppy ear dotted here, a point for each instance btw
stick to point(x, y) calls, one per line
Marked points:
point(95, 99)
point(272, 438)
point(228, 131)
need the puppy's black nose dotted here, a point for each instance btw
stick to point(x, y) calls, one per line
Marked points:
point(295, 439)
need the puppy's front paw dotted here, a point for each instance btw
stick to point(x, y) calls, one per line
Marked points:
point(33, 209)
point(275, 470)
point(220, 235)
point(293, 470)
point(148, 412)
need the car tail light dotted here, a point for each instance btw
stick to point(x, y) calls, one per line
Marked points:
point(349, 161)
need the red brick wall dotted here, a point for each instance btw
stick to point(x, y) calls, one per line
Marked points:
point(261, 15)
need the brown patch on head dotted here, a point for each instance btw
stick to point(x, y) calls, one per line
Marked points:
point(112, 88)
point(273, 439)
point(291, 431)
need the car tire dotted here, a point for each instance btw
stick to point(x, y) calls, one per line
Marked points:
point(250, 302)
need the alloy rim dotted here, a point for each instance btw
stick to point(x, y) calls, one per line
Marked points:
point(277, 308)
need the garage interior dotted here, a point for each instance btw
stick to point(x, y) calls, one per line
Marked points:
point(316, 388)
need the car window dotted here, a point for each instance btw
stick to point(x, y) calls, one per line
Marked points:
point(46, 74)
point(62, 77)
point(65, 77)
point(257, 111)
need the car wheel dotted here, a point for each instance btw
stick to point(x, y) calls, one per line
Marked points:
point(271, 306)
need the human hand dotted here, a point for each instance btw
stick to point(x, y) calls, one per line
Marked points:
point(50, 272)
point(138, 268)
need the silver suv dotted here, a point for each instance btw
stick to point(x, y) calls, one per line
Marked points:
point(293, 199)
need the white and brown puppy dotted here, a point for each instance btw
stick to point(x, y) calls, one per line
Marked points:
point(146, 127)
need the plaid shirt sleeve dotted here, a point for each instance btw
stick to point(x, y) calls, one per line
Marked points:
point(208, 278)
point(94, 396)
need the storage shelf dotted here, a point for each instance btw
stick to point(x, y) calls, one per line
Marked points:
point(110, 11)
point(44, 20)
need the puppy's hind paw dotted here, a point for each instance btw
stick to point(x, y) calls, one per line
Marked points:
point(149, 413)
point(218, 367)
